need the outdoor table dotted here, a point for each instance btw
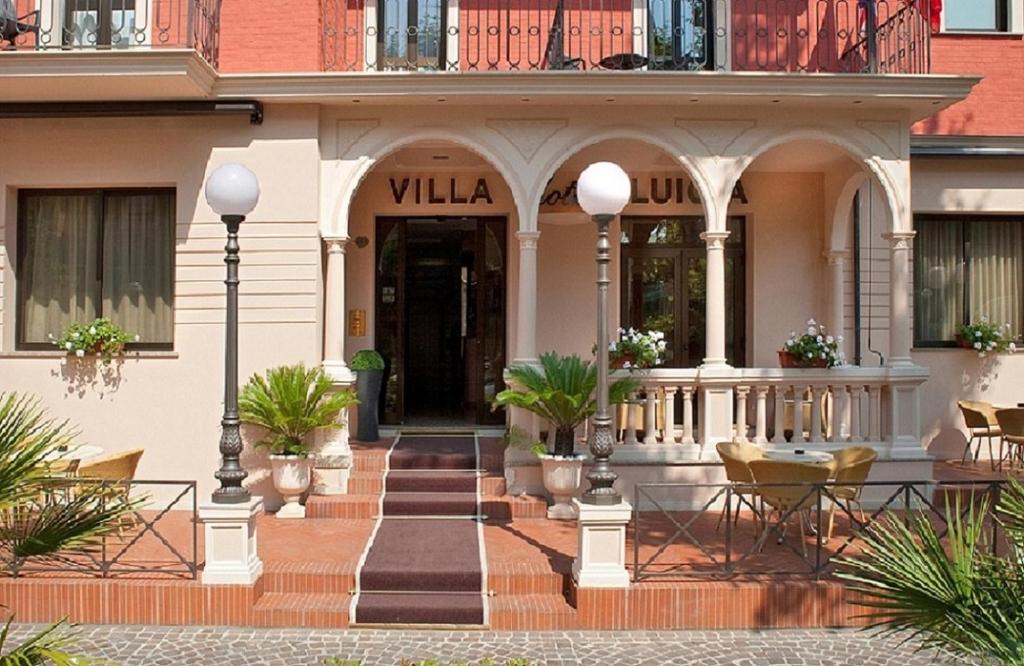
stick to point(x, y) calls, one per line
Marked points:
point(84, 452)
point(622, 61)
point(806, 457)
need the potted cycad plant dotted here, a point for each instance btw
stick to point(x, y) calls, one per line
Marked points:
point(290, 403)
point(369, 368)
point(562, 392)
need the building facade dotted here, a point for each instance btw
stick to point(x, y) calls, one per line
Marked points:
point(858, 164)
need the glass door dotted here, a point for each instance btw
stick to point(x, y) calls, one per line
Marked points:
point(678, 34)
point(109, 23)
point(411, 35)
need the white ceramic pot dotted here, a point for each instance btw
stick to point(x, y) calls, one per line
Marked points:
point(562, 478)
point(292, 476)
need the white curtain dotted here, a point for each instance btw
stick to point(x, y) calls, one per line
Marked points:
point(938, 280)
point(997, 272)
point(60, 283)
point(138, 264)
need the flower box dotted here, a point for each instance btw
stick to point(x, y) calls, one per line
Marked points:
point(791, 360)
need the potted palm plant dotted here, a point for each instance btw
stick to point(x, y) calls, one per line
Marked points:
point(290, 403)
point(369, 368)
point(562, 392)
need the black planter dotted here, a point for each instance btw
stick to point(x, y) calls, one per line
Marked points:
point(368, 384)
point(565, 441)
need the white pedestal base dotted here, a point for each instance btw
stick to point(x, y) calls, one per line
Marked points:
point(330, 480)
point(333, 464)
point(291, 509)
point(562, 509)
point(230, 543)
point(602, 545)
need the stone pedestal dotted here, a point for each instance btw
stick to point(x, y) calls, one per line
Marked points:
point(333, 462)
point(230, 543)
point(602, 545)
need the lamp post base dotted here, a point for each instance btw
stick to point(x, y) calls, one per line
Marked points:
point(602, 545)
point(230, 543)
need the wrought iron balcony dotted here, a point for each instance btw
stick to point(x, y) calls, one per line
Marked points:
point(838, 36)
point(69, 25)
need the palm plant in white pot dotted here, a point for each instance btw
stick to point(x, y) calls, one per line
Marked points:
point(291, 403)
point(562, 392)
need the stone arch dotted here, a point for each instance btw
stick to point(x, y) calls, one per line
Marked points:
point(573, 143)
point(841, 218)
point(337, 222)
point(873, 163)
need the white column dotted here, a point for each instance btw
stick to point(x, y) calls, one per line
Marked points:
point(761, 420)
point(688, 415)
point(526, 317)
point(836, 276)
point(779, 393)
point(650, 415)
point(715, 292)
point(741, 412)
point(899, 297)
point(856, 407)
point(669, 432)
point(816, 394)
point(334, 459)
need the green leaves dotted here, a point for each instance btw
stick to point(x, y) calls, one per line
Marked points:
point(951, 593)
point(289, 403)
point(49, 646)
point(561, 391)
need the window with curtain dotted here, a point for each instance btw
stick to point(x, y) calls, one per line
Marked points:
point(966, 268)
point(980, 15)
point(85, 254)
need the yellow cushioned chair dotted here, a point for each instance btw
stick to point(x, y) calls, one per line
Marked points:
point(736, 457)
point(788, 499)
point(852, 467)
point(1011, 429)
point(981, 422)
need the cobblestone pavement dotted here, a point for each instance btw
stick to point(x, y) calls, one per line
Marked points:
point(198, 646)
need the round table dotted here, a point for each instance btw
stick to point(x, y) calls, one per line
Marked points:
point(807, 457)
point(84, 452)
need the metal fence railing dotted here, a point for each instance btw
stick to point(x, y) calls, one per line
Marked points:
point(158, 538)
point(721, 530)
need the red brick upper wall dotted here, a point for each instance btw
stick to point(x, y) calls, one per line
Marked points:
point(996, 105)
point(278, 36)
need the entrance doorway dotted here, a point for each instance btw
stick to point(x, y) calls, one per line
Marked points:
point(664, 273)
point(440, 318)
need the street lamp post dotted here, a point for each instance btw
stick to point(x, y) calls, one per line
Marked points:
point(603, 191)
point(232, 191)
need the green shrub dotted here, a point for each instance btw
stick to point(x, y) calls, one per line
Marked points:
point(367, 359)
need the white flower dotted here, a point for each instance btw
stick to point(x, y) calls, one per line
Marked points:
point(92, 330)
point(627, 364)
point(823, 355)
point(137, 337)
point(75, 335)
point(68, 346)
point(839, 339)
point(812, 330)
point(977, 334)
point(818, 339)
point(811, 322)
point(80, 353)
point(50, 336)
point(1012, 348)
point(792, 335)
point(977, 345)
point(829, 339)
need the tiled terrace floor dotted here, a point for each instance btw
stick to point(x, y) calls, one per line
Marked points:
point(217, 646)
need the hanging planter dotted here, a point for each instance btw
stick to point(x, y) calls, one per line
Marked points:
point(814, 349)
point(985, 338)
point(100, 337)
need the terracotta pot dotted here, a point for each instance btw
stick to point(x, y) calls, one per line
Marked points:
point(790, 360)
point(620, 362)
point(562, 478)
point(292, 476)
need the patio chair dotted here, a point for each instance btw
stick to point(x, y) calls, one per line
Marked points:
point(788, 500)
point(980, 418)
point(736, 457)
point(12, 25)
point(852, 467)
point(119, 470)
point(1011, 426)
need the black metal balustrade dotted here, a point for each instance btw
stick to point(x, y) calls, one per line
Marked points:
point(159, 539)
point(837, 36)
point(111, 25)
point(725, 536)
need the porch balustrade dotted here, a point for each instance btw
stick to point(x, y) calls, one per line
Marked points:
point(775, 407)
point(838, 36)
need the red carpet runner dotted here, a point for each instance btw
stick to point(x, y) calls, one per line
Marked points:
point(423, 564)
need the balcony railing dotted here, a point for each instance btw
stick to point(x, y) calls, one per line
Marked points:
point(71, 25)
point(839, 36)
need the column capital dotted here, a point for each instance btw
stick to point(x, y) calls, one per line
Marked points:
point(899, 240)
point(835, 256)
point(528, 239)
point(336, 243)
point(714, 239)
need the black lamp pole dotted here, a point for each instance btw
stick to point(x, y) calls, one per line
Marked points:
point(602, 441)
point(231, 474)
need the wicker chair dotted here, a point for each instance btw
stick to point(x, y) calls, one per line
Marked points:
point(119, 471)
point(788, 499)
point(980, 418)
point(736, 457)
point(1011, 426)
point(852, 467)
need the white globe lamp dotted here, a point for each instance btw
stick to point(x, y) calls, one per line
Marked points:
point(232, 190)
point(603, 189)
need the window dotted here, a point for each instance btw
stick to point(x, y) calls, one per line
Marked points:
point(84, 254)
point(101, 23)
point(966, 268)
point(979, 15)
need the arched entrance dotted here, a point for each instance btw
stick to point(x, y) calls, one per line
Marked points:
point(436, 218)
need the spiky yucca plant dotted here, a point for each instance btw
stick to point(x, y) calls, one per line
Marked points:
point(562, 392)
point(34, 524)
point(951, 594)
point(289, 403)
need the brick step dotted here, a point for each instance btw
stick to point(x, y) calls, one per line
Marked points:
point(290, 609)
point(326, 578)
point(372, 483)
point(523, 579)
point(372, 460)
point(496, 507)
point(533, 612)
